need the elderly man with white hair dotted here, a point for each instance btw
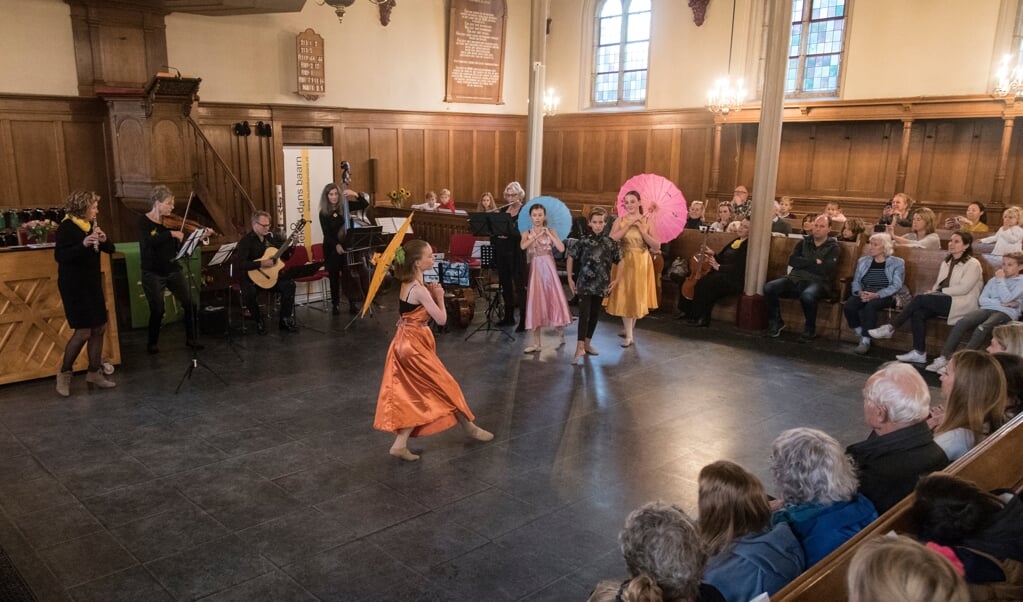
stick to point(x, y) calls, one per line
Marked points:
point(900, 448)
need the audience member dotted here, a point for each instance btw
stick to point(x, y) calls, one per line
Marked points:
point(973, 387)
point(779, 224)
point(742, 205)
point(924, 234)
point(1008, 238)
point(890, 568)
point(852, 230)
point(999, 303)
point(486, 203)
point(694, 220)
point(808, 220)
point(1007, 338)
point(900, 447)
point(877, 278)
point(1012, 368)
point(817, 486)
point(665, 559)
point(748, 556)
point(726, 277)
point(444, 201)
point(955, 293)
point(429, 204)
point(975, 219)
point(977, 525)
point(834, 211)
point(813, 262)
point(724, 217)
point(785, 208)
point(897, 211)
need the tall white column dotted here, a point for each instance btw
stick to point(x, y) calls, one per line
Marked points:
point(534, 127)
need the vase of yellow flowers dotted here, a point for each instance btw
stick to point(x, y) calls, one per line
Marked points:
point(398, 197)
point(38, 230)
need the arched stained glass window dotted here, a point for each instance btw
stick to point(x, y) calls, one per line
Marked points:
point(622, 52)
point(815, 49)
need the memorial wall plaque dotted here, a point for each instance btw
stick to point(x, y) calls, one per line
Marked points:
point(312, 83)
point(476, 51)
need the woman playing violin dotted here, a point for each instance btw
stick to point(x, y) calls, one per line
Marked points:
point(727, 272)
point(157, 247)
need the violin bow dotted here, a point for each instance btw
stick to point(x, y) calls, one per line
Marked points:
point(188, 206)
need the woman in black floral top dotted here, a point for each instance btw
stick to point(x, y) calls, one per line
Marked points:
point(595, 252)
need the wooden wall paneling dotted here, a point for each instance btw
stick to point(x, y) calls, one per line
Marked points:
point(463, 166)
point(637, 145)
point(357, 148)
point(8, 180)
point(35, 163)
point(85, 157)
point(511, 160)
point(613, 172)
point(694, 162)
point(551, 160)
point(411, 172)
point(728, 162)
point(660, 149)
point(591, 161)
point(829, 158)
point(747, 158)
point(438, 159)
point(120, 48)
point(570, 165)
point(914, 160)
point(796, 158)
point(486, 164)
point(1013, 186)
point(868, 171)
point(984, 157)
point(169, 152)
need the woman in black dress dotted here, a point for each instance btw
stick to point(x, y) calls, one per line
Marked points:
point(726, 277)
point(79, 242)
point(510, 260)
point(336, 261)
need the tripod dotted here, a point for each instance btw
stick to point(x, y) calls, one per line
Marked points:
point(495, 309)
point(187, 249)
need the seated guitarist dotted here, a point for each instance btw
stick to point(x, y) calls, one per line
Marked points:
point(250, 249)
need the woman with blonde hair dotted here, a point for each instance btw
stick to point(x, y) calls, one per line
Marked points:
point(1007, 338)
point(897, 211)
point(748, 556)
point(898, 568)
point(973, 386)
point(1009, 237)
point(80, 282)
point(418, 396)
point(817, 484)
point(924, 234)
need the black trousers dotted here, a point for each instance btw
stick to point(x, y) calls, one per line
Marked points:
point(589, 313)
point(919, 310)
point(284, 288)
point(511, 273)
point(153, 285)
point(709, 289)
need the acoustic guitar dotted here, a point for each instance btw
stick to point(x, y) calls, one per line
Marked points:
point(267, 277)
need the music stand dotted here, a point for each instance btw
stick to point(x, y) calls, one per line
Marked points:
point(362, 239)
point(221, 259)
point(487, 261)
point(188, 247)
point(492, 224)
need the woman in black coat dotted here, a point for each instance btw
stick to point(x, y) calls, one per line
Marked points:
point(726, 277)
point(336, 260)
point(79, 242)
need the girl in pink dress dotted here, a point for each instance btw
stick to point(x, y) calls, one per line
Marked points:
point(545, 298)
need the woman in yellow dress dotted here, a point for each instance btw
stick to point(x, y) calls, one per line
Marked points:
point(636, 292)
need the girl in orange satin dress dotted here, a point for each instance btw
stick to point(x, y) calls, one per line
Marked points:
point(417, 394)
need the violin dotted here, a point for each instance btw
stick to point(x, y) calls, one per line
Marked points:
point(699, 266)
point(187, 226)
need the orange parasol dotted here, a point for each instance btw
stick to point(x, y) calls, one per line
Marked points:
point(382, 261)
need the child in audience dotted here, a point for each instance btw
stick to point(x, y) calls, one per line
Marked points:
point(748, 556)
point(486, 204)
point(975, 524)
point(834, 210)
point(430, 203)
point(595, 252)
point(894, 567)
point(445, 202)
point(999, 303)
point(785, 208)
point(1009, 238)
point(973, 387)
point(545, 299)
point(852, 230)
point(694, 220)
point(1007, 338)
point(724, 217)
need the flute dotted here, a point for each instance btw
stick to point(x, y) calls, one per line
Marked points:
point(95, 244)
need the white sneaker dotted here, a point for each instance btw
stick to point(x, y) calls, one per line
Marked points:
point(937, 365)
point(912, 357)
point(882, 332)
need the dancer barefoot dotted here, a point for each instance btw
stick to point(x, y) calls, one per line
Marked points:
point(595, 253)
point(417, 394)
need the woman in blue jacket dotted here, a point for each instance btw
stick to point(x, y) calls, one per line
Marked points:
point(878, 277)
point(748, 556)
point(818, 489)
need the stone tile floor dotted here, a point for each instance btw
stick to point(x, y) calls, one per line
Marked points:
point(276, 487)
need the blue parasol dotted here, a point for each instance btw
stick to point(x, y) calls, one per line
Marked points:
point(559, 217)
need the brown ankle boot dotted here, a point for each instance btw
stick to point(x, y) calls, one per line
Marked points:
point(64, 383)
point(97, 378)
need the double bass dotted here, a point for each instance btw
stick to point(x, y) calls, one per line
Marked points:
point(699, 266)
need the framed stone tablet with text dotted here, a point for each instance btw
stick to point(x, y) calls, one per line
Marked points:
point(476, 51)
point(312, 84)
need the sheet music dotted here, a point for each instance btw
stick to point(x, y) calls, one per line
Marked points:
point(223, 253)
point(391, 224)
point(479, 244)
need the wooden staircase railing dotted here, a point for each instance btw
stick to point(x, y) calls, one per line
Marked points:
point(223, 196)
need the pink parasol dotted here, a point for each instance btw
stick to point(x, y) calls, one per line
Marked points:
point(661, 200)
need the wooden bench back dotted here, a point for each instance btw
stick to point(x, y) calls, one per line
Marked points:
point(993, 464)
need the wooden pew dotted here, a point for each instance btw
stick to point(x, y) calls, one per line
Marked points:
point(993, 464)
